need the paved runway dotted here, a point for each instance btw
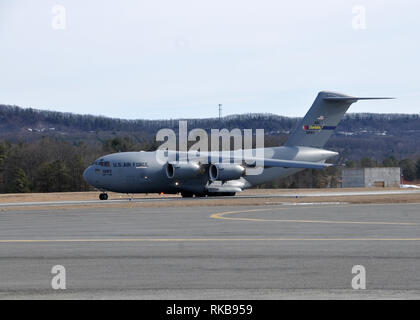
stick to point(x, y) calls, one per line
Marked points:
point(212, 252)
point(142, 198)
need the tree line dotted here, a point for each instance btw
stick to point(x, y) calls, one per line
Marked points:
point(53, 165)
point(358, 135)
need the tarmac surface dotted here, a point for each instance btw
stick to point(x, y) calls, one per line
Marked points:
point(219, 252)
point(267, 195)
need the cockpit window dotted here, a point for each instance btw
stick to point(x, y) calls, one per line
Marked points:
point(106, 163)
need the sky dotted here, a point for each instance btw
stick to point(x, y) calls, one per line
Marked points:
point(163, 59)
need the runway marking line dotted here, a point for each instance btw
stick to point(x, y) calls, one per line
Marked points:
point(199, 240)
point(222, 216)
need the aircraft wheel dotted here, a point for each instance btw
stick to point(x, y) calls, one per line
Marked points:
point(213, 194)
point(200, 195)
point(103, 196)
point(186, 194)
point(222, 194)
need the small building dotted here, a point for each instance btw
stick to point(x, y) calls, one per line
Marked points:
point(370, 177)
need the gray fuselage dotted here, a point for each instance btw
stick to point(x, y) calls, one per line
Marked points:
point(141, 172)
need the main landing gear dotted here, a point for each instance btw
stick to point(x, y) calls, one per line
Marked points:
point(103, 196)
point(186, 194)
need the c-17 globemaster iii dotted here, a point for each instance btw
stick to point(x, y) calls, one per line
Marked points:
point(207, 175)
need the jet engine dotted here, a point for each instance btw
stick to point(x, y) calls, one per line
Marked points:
point(182, 170)
point(225, 171)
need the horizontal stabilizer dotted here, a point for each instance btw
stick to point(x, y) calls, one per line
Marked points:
point(354, 99)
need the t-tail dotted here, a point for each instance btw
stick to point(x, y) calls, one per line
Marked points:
point(322, 119)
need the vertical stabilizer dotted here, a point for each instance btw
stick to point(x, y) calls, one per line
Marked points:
point(322, 119)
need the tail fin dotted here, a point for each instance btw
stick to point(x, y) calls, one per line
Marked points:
point(321, 120)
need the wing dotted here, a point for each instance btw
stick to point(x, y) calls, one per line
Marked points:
point(292, 164)
point(265, 162)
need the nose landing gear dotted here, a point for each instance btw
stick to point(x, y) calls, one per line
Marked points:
point(103, 196)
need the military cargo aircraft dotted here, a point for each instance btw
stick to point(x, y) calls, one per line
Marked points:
point(207, 175)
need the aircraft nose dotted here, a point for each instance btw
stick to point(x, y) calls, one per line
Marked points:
point(87, 174)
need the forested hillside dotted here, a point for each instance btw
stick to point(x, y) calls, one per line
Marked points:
point(47, 151)
point(375, 135)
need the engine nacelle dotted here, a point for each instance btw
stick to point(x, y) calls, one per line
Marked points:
point(225, 171)
point(182, 170)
